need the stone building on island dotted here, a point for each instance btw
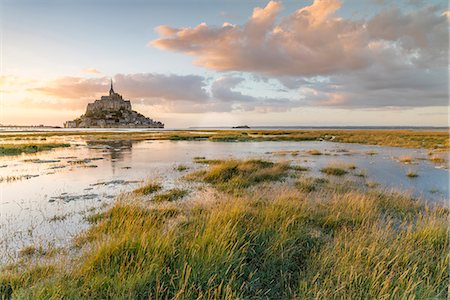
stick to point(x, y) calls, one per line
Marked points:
point(112, 112)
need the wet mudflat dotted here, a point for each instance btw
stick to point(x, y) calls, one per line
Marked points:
point(45, 197)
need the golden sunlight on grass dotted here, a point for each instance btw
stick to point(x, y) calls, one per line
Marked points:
point(412, 174)
point(314, 152)
point(406, 159)
point(337, 168)
point(437, 140)
point(170, 195)
point(148, 188)
point(303, 239)
point(232, 174)
point(16, 149)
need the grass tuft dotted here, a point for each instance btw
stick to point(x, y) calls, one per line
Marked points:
point(412, 174)
point(181, 168)
point(437, 159)
point(337, 168)
point(336, 171)
point(170, 195)
point(299, 168)
point(147, 189)
point(371, 153)
point(203, 160)
point(231, 175)
point(310, 184)
point(16, 149)
point(406, 159)
point(314, 152)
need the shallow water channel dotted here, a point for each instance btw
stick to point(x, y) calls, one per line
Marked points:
point(44, 197)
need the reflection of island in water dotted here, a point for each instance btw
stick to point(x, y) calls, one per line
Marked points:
point(116, 150)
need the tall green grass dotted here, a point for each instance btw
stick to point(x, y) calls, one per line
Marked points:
point(231, 175)
point(16, 149)
point(148, 188)
point(171, 195)
point(274, 241)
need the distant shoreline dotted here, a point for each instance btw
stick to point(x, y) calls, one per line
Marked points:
point(327, 127)
point(37, 128)
point(406, 137)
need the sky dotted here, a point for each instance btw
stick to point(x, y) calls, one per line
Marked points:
point(229, 62)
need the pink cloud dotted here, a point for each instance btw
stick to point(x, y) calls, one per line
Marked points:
point(174, 93)
point(311, 41)
point(73, 87)
point(90, 71)
point(142, 85)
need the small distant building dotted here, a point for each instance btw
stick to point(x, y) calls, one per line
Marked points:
point(112, 112)
point(70, 124)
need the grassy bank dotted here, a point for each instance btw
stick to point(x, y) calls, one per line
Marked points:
point(438, 140)
point(250, 235)
point(16, 149)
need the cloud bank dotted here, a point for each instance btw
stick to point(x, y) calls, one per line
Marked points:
point(312, 41)
point(393, 58)
point(172, 93)
point(143, 88)
point(318, 58)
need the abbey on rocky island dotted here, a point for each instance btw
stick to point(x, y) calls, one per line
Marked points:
point(112, 112)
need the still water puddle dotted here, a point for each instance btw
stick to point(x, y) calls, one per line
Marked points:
point(45, 197)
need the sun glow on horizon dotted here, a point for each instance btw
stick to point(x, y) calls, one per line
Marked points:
point(279, 63)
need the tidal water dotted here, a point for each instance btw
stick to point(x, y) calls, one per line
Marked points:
point(45, 197)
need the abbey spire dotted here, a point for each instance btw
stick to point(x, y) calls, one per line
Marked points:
point(111, 90)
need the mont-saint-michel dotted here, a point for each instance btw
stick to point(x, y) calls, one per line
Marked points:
point(112, 112)
point(308, 153)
